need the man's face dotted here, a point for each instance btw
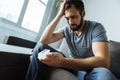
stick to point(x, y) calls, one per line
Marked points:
point(74, 18)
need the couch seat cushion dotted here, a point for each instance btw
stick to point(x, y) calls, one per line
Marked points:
point(60, 74)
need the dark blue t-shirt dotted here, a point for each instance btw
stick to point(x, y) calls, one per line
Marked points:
point(81, 46)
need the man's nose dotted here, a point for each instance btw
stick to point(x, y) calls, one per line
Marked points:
point(71, 21)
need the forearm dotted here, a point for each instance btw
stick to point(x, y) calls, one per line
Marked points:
point(48, 36)
point(85, 64)
point(48, 33)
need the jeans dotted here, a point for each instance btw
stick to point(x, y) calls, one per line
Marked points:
point(38, 70)
point(96, 74)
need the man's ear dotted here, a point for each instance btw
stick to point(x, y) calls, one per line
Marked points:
point(83, 13)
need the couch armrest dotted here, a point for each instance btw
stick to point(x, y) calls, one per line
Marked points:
point(13, 66)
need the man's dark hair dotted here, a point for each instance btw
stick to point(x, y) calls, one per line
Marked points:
point(79, 5)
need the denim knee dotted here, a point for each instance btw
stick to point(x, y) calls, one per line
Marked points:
point(39, 47)
point(101, 73)
point(81, 75)
point(35, 65)
point(101, 70)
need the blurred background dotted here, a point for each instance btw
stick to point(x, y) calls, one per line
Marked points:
point(28, 18)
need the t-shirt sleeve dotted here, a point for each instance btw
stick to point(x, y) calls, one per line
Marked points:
point(99, 33)
point(63, 30)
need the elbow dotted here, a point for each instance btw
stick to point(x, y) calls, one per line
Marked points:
point(106, 64)
point(46, 41)
point(43, 41)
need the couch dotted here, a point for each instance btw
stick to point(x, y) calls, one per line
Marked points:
point(13, 66)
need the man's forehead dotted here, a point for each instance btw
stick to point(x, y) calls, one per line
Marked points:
point(71, 12)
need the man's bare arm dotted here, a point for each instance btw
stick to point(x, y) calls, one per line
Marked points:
point(49, 35)
point(100, 58)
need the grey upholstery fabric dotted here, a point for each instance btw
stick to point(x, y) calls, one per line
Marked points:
point(61, 74)
point(115, 57)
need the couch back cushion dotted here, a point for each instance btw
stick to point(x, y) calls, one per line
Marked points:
point(115, 57)
point(17, 41)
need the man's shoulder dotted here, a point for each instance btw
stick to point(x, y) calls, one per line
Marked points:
point(92, 23)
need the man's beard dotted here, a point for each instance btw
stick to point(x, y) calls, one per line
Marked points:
point(76, 27)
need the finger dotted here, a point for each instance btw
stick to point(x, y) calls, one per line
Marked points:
point(44, 60)
point(55, 54)
point(49, 55)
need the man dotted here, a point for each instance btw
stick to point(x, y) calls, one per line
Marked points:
point(87, 41)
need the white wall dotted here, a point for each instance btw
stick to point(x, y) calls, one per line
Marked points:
point(106, 12)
